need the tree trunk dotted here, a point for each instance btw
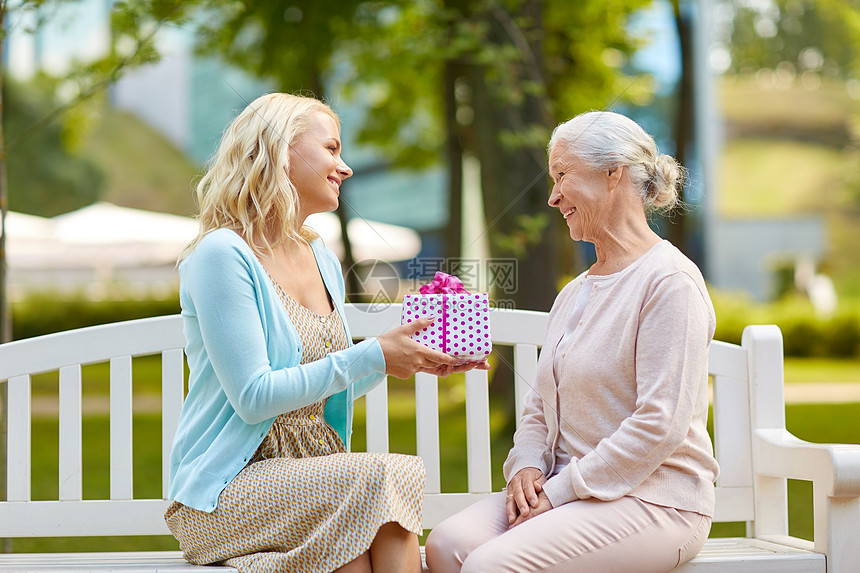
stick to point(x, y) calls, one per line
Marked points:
point(677, 226)
point(514, 181)
point(5, 322)
point(513, 177)
point(454, 156)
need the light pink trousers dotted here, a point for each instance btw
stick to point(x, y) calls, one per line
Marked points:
point(583, 536)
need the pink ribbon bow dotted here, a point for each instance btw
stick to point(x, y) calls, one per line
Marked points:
point(443, 283)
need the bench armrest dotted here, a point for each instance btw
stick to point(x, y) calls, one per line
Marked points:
point(833, 469)
point(836, 467)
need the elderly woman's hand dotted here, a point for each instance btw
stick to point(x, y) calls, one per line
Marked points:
point(525, 495)
point(543, 504)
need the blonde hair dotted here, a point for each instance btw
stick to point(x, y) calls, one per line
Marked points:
point(247, 187)
point(606, 140)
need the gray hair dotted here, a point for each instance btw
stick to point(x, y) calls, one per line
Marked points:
point(607, 140)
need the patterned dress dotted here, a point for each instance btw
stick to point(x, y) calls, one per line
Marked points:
point(303, 504)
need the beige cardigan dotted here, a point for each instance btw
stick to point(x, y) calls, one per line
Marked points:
point(632, 398)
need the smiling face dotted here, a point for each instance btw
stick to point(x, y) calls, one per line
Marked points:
point(316, 168)
point(581, 194)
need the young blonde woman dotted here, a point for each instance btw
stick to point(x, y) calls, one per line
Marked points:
point(260, 472)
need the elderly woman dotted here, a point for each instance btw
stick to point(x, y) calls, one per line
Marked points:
point(612, 466)
point(260, 472)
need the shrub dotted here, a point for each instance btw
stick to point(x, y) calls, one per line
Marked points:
point(804, 332)
point(843, 336)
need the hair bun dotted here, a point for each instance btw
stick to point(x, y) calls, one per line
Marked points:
point(664, 192)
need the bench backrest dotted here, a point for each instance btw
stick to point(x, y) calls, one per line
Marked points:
point(121, 514)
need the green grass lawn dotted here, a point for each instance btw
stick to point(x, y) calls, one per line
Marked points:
point(772, 178)
point(811, 370)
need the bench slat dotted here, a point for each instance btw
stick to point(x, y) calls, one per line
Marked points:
point(525, 370)
point(172, 395)
point(746, 555)
point(732, 443)
point(18, 440)
point(738, 554)
point(376, 418)
point(440, 506)
point(152, 561)
point(90, 345)
point(71, 438)
point(427, 425)
point(89, 517)
point(517, 327)
point(734, 504)
point(726, 359)
point(120, 428)
point(478, 432)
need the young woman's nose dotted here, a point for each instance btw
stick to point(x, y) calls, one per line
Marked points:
point(344, 170)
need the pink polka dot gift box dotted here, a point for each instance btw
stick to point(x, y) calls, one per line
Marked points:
point(462, 320)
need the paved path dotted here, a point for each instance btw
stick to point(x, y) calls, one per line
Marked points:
point(822, 393)
point(813, 393)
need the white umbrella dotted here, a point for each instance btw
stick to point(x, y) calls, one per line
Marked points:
point(106, 236)
point(104, 223)
point(29, 227)
point(31, 241)
point(369, 239)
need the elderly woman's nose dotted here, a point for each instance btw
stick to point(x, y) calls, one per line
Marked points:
point(554, 198)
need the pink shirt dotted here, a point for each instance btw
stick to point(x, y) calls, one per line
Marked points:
point(625, 393)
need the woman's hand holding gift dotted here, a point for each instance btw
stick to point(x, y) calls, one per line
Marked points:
point(404, 356)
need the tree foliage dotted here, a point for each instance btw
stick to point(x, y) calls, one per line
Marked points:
point(489, 78)
point(288, 41)
point(45, 176)
point(816, 36)
point(134, 26)
point(517, 68)
point(42, 130)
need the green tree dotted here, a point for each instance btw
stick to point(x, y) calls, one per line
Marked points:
point(491, 79)
point(47, 176)
point(134, 26)
point(817, 36)
point(449, 77)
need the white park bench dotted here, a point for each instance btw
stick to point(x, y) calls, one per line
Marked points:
point(755, 451)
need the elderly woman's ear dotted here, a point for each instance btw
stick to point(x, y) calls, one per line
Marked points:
point(615, 175)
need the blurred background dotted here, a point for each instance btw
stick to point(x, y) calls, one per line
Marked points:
point(111, 109)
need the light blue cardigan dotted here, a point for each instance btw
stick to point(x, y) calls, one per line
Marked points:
point(243, 355)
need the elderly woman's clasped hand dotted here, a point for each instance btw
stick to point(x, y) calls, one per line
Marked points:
point(525, 497)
